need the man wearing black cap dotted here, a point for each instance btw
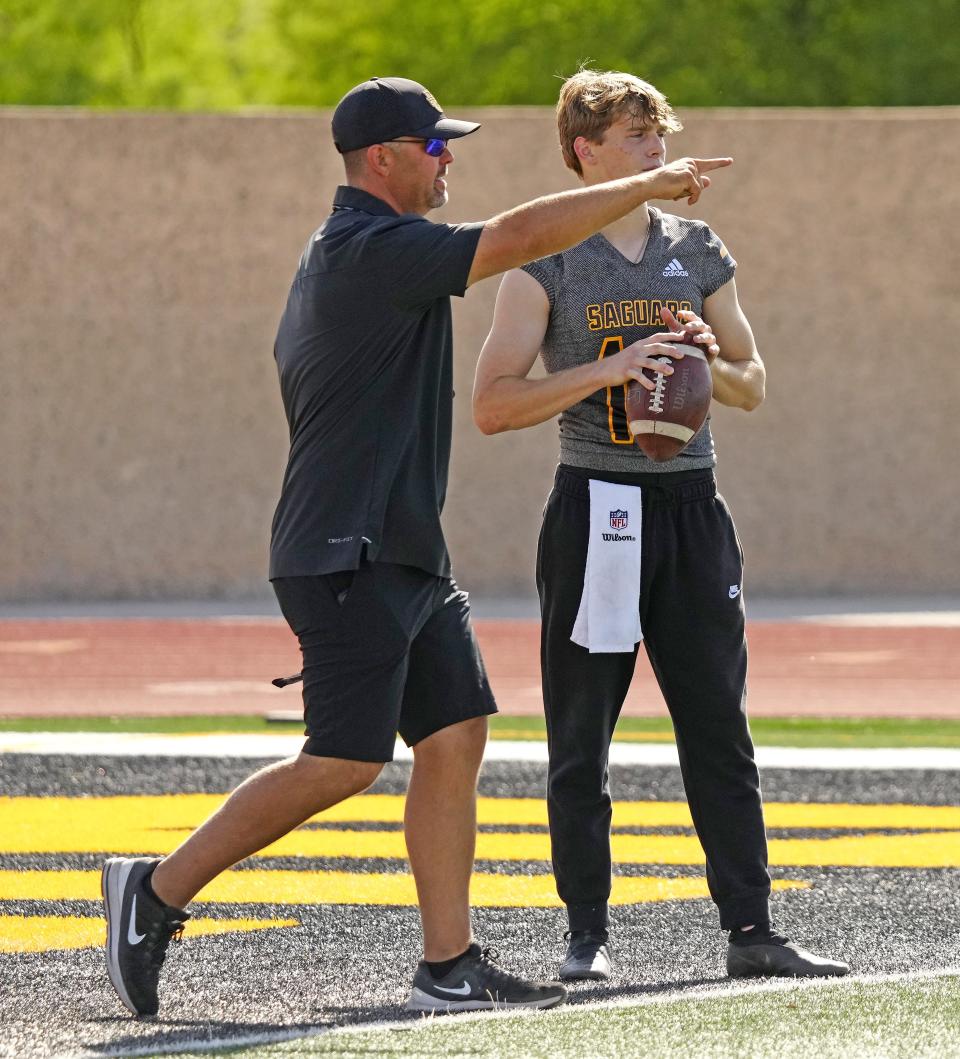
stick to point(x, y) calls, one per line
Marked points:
point(358, 559)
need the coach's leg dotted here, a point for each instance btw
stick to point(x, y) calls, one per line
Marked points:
point(441, 825)
point(444, 718)
point(265, 807)
point(353, 669)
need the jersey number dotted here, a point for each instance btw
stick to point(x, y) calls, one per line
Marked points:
point(620, 433)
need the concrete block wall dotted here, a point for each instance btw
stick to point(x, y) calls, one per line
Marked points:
point(146, 259)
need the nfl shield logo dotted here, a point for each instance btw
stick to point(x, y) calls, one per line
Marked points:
point(618, 520)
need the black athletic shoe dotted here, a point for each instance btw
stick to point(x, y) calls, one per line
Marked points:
point(778, 957)
point(476, 982)
point(139, 930)
point(588, 956)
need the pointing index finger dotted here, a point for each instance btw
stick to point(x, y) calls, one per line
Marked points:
point(706, 164)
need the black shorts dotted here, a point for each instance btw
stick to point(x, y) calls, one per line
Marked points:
point(386, 649)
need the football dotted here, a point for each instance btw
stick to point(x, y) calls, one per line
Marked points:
point(663, 420)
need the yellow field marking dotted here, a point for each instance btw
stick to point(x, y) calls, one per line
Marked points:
point(939, 849)
point(815, 815)
point(355, 888)
point(157, 823)
point(54, 933)
point(861, 817)
point(933, 849)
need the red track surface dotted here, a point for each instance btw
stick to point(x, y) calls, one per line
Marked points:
point(64, 667)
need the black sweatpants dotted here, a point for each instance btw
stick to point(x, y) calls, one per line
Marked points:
point(691, 613)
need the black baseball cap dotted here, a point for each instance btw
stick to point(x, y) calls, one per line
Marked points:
point(385, 108)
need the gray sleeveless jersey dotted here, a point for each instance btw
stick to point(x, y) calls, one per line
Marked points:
point(599, 303)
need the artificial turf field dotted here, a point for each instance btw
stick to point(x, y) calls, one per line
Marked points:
point(321, 931)
point(898, 1016)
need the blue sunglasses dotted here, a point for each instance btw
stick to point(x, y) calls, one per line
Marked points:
point(433, 147)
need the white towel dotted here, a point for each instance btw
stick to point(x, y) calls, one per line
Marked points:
point(609, 616)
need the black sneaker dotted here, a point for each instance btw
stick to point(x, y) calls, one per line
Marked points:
point(588, 956)
point(778, 957)
point(139, 930)
point(476, 982)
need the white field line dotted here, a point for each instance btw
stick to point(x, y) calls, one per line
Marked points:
point(451, 1022)
point(256, 745)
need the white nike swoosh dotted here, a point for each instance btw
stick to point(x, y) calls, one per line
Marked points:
point(461, 990)
point(132, 936)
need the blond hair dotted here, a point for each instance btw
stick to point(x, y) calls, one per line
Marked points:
point(592, 100)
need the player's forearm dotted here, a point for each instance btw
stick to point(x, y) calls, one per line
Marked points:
point(739, 383)
point(512, 403)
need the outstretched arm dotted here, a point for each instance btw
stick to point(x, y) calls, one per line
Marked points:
point(555, 222)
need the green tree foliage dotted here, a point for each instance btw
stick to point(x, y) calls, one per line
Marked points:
point(222, 54)
point(176, 54)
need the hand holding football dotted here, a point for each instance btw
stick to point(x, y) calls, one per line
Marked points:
point(664, 420)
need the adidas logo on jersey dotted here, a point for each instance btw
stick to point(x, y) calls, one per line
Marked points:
point(675, 269)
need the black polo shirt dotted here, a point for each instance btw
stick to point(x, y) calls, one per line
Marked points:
point(365, 356)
